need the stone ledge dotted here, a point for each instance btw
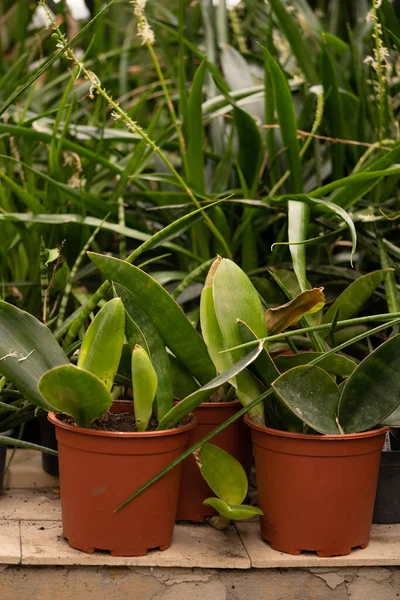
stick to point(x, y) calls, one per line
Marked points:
point(31, 534)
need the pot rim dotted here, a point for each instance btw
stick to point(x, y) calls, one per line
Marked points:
point(333, 437)
point(52, 417)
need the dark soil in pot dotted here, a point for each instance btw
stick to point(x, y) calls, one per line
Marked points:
point(387, 502)
point(3, 458)
point(100, 469)
point(235, 439)
point(317, 492)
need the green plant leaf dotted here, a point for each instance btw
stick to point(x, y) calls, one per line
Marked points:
point(102, 344)
point(223, 473)
point(144, 385)
point(251, 149)
point(188, 404)
point(336, 364)
point(75, 392)
point(27, 350)
point(169, 319)
point(232, 512)
point(353, 298)
point(140, 329)
point(312, 395)
point(280, 318)
point(195, 130)
point(373, 391)
point(298, 212)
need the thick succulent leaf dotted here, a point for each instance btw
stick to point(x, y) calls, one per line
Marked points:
point(144, 385)
point(353, 298)
point(102, 344)
point(312, 395)
point(188, 404)
point(169, 319)
point(280, 318)
point(76, 392)
point(240, 512)
point(183, 383)
point(223, 473)
point(210, 328)
point(373, 391)
point(335, 364)
point(268, 372)
point(235, 298)
point(140, 329)
point(27, 350)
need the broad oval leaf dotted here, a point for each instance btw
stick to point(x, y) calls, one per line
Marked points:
point(169, 319)
point(27, 350)
point(75, 392)
point(223, 473)
point(373, 391)
point(232, 512)
point(144, 385)
point(188, 404)
point(312, 395)
point(353, 298)
point(102, 344)
point(336, 364)
point(140, 329)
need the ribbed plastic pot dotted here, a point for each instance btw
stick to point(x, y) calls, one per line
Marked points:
point(100, 469)
point(317, 492)
point(3, 457)
point(235, 439)
point(48, 440)
point(387, 502)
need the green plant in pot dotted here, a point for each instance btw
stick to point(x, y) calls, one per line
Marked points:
point(317, 457)
point(156, 321)
point(105, 445)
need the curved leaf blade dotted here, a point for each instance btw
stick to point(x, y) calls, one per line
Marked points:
point(373, 391)
point(312, 395)
point(75, 392)
point(144, 385)
point(169, 319)
point(27, 350)
point(102, 344)
point(232, 512)
point(223, 473)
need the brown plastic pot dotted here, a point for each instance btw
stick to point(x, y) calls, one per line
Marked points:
point(100, 469)
point(235, 439)
point(317, 492)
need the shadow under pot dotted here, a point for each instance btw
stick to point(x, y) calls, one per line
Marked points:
point(317, 492)
point(3, 459)
point(101, 469)
point(235, 439)
point(387, 502)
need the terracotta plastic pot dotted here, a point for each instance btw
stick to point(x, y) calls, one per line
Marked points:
point(317, 492)
point(387, 502)
point(100, 469)
point(235, 439)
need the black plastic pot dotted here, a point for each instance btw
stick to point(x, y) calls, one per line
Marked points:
point(387, 503)
point(48, 439)
point(3, 454)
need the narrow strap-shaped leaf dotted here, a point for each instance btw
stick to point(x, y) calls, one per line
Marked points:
point(191, 402)
point(170, 321)
point(140, 329)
